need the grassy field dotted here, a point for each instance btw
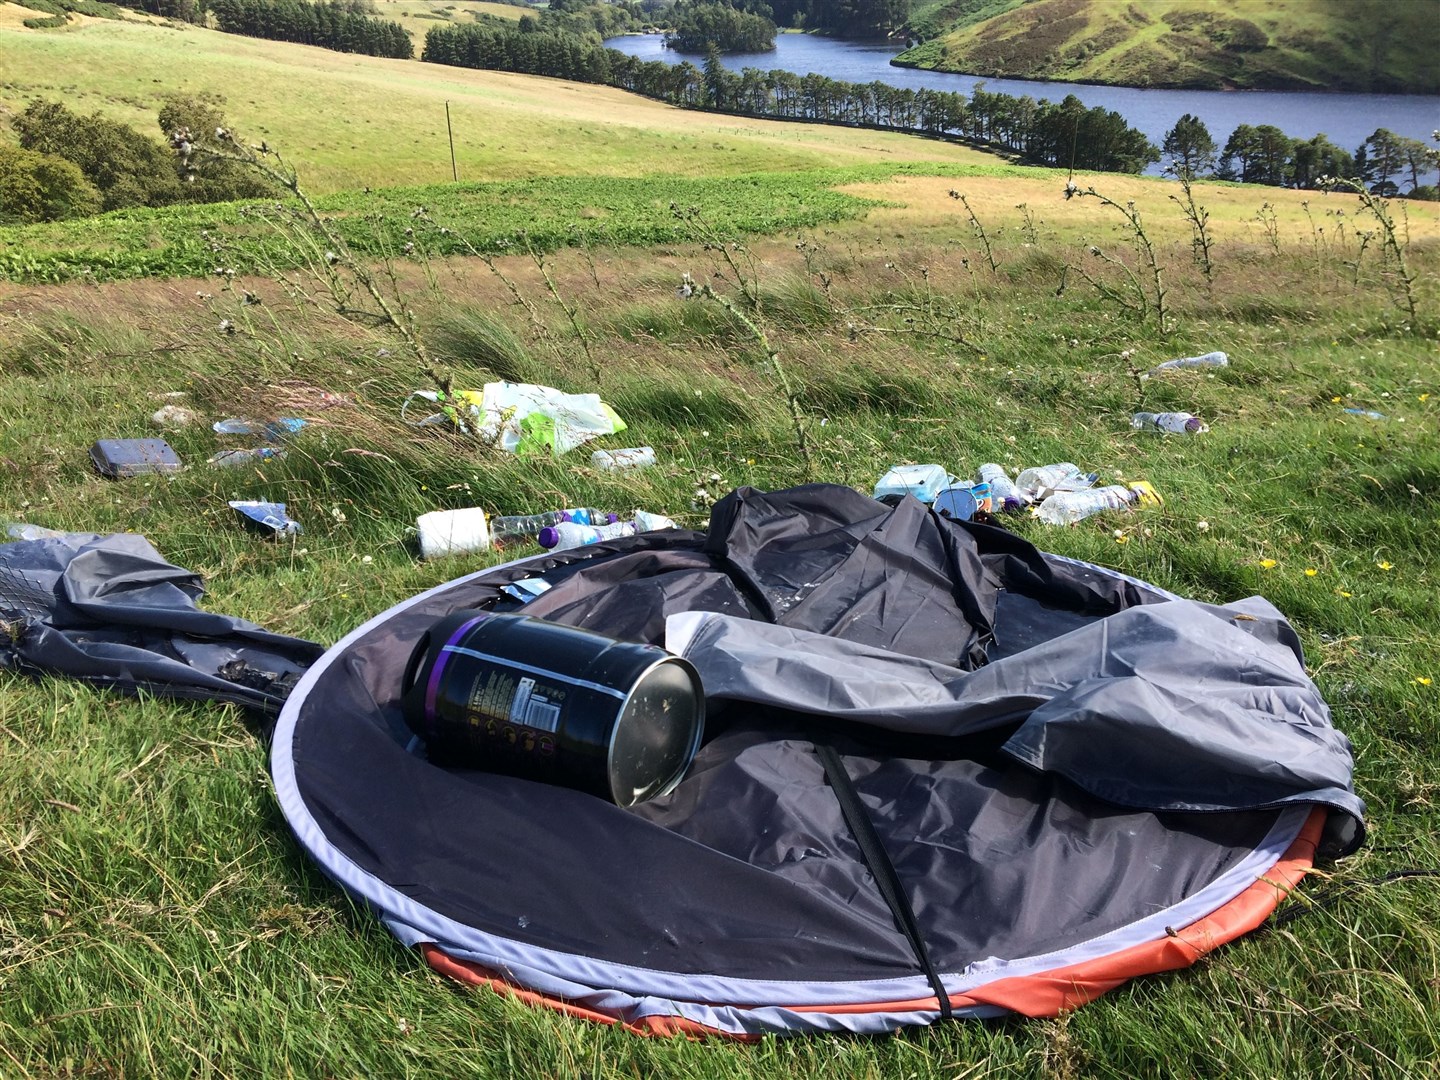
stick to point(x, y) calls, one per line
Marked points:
point(1359, 45)
point(362, 121)
point(156, 917)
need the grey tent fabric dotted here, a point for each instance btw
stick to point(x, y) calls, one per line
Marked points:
point(1173, 706)
point(110, 610)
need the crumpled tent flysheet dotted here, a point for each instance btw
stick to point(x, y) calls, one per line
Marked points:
point(110, 610)
point(1078, 777)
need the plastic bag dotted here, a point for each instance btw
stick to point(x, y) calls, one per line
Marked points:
point(524, 418)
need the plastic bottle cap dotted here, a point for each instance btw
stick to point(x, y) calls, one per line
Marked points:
point(548, 537)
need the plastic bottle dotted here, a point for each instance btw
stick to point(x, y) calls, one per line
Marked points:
point(1068, 507)
point(1004, 495)
point(632, 457)
point(648, 522)
point(524, 528)
point(1172, 423)
point(231, 458)
point(1209, 359)
point(1063, 476)
point(924, 482)
point(568, 534)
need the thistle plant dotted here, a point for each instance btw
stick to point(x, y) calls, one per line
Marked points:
point(978, 230)
point(1394, 243)
point(346, 282)
point(1201, 240)
point(1144, 296)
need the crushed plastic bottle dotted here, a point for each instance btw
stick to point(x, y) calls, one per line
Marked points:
point(1209, 359)
point(231, 458)
point(923, 482)
point(524, 528)
point(648, 522)
point(1004, 495)
point(23, 531)
point(1171, 423)
point(1369, 414)
point(1068, 507)
point(1036, 482)
point(631, 457)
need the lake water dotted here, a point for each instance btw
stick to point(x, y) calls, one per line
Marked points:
point(1348, 119)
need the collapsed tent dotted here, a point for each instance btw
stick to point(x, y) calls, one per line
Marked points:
point(944, 774)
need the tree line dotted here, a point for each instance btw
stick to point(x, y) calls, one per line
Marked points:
point(1065, 134)
point(72, 165)
point(333, 24)
point(1263, 154)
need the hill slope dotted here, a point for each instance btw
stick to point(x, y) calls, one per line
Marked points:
point(348, 121)
point(1355, 45)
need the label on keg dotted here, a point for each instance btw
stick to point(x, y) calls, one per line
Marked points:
point(514, 710)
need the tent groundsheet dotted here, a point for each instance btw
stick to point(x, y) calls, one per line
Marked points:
point(1074, 777)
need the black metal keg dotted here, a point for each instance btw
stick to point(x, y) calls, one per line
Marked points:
point(519, 695)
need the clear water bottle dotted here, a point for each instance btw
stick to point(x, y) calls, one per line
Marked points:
point(1068, 507)
point(231, 458)
point(1004, 495)
point(1209, 359)
point(569, 534)
point(1172, 423)
point(524, 528)
point(1063, 476)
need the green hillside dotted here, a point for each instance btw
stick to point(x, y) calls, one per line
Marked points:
point(1379, 46)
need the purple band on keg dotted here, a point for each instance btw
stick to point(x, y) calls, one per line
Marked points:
point(433, 686)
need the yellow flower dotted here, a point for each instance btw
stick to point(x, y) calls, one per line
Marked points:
point(1334, 401)
point(1267, 564)
point(1424, 681)
point(1385, 565)
point(1424, 397)
point(1310, 571)
point(1345, 594)
point(1122, 539)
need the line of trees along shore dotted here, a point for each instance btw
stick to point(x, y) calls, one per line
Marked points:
point(1067, 134)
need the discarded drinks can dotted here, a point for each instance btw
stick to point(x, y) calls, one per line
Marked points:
point(522, 696)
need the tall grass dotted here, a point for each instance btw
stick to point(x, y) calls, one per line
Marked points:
point(157, 919)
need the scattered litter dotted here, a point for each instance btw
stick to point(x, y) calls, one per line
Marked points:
point(119, 458)
point(1369, 414)
point(526, 589)
point(632, 457)
point(267, 517)
point(1004, 495)
point(522, 418)
point(452, 532)
point(1068, 507)
point(174, 416)
point(1042, 481)
point(1209, 359)
point(923, 482)
point(957, 503)
point(273, 431)
point(524, 528)
point(568, 534)
point(22, 531)
point(1171, 423)
point(231, 458)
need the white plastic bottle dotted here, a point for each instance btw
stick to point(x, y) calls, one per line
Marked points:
point(1209, 359)
point(1004, 495)
point(1172, 423)
point(1068, 507)
point(1063, 476)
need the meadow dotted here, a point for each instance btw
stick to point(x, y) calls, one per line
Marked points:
point(157, 919)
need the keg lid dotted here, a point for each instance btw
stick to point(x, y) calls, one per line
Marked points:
point(657, 733)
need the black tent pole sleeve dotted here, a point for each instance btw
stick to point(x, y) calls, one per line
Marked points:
point(877, 860)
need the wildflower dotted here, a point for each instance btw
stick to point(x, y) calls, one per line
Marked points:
point(1424, 680)
point(226, 326)
point(1310, 571)
point(1342, 592)
point(1335, 401)
point(367, 559)
point(1423, 397)
point(1268, 564)
point(1385, 565)
point(1202, 526)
